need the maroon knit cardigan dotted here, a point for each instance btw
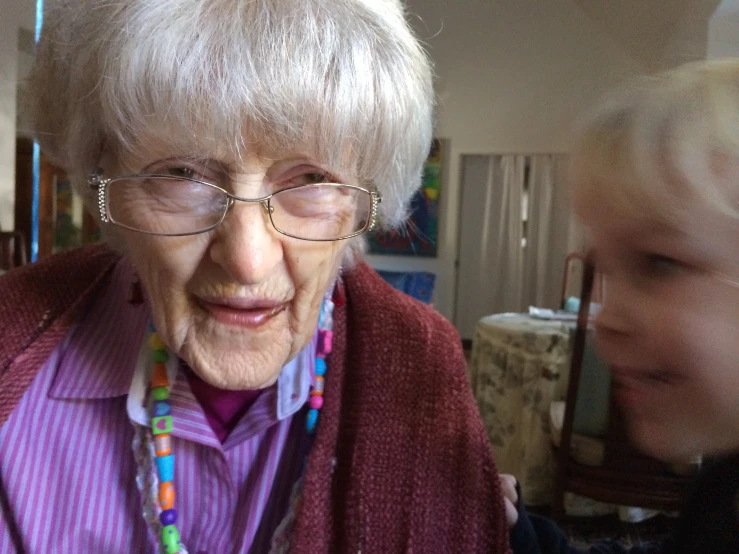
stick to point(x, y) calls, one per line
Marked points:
point(401, 461)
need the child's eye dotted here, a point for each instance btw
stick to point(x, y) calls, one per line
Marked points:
point(658, 265)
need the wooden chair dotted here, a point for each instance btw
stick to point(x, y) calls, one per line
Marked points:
point(12, 249)
point(573, 261)
point(626, 476)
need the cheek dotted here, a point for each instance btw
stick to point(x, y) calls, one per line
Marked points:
point(702, 348)
point(166, 264)
point(312, 269)
point(711, 348)
point(704, 321)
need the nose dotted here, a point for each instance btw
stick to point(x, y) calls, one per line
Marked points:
point(615, 321)
point(246, 245)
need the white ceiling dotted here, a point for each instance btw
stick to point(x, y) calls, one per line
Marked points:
point(657, 32)
point(728, 6)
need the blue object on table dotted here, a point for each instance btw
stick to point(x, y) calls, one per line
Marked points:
point(418, 284)
point(572, 306)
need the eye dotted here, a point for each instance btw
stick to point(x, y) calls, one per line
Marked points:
point(310, 178)
point(184, 172)
point(195, 173)
point(197, 170)
point(659, 265)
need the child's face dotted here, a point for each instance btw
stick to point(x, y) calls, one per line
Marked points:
point(670, 328)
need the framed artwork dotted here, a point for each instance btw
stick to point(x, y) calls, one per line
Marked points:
point(67, 231)
point(419, 235)
point(73, 224)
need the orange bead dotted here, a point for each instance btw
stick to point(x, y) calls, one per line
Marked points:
point(159, 377)
point(163, 444)
point(166, 495)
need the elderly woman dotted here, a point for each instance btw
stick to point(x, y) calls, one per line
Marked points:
point(225, 375)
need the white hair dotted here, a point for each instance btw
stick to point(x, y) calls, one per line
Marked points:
point(343, 81)
point(660, 142)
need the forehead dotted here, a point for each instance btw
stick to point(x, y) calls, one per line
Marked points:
point(232, 155)
point(699, 230)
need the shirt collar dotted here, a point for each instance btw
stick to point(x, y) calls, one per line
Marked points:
point(99, 354)
point(292, 387)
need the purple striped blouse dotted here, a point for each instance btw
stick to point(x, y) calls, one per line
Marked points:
point(67, 467)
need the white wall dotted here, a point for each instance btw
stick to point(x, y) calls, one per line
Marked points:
point(659, 34)
point(511, 77)
point(22, 120)
point(723, 31)
point(13, 14)
point(689, 38)
point(8, 68)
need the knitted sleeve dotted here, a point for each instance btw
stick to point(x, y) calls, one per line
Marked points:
point(465, 510)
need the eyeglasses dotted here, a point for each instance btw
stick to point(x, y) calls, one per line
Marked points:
point(177, 206)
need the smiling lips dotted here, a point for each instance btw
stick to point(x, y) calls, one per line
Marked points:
point(242, 312)
point(638, 386)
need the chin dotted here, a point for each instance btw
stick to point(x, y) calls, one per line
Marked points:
point(667, 443)
point(229, 373)
point(238, 361)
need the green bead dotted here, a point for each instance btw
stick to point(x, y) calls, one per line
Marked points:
point(160, 393)
point(171, 539)
point(160, 425)
point(159, 356)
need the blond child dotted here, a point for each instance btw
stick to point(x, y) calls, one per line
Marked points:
point(655, 176)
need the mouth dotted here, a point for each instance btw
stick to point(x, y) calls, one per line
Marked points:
point(250, 313)
point(634, 386)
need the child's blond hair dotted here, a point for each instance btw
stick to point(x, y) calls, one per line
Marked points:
point(661, 142)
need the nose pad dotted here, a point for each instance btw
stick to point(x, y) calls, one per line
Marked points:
point(268, 208)
point(229, 204)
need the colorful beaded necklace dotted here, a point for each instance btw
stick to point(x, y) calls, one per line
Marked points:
point(162, 425)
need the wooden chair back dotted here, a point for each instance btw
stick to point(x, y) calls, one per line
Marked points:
point(574, 265)
point(12, 250)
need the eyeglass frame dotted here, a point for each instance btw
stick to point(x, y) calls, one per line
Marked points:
point(98, 183)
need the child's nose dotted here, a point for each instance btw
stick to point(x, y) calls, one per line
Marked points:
point(614, 320)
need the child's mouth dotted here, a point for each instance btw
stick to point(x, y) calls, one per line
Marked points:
point(639, 386)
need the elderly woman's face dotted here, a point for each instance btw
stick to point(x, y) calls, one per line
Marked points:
point(238, 302)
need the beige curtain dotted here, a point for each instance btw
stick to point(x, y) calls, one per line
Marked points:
point(497, 271)
point(490, 258)
point(553, 231)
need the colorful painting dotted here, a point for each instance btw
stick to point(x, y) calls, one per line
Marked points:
point(419, 236)
point(66, 232)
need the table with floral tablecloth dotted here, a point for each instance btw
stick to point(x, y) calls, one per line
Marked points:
point(518, 366)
